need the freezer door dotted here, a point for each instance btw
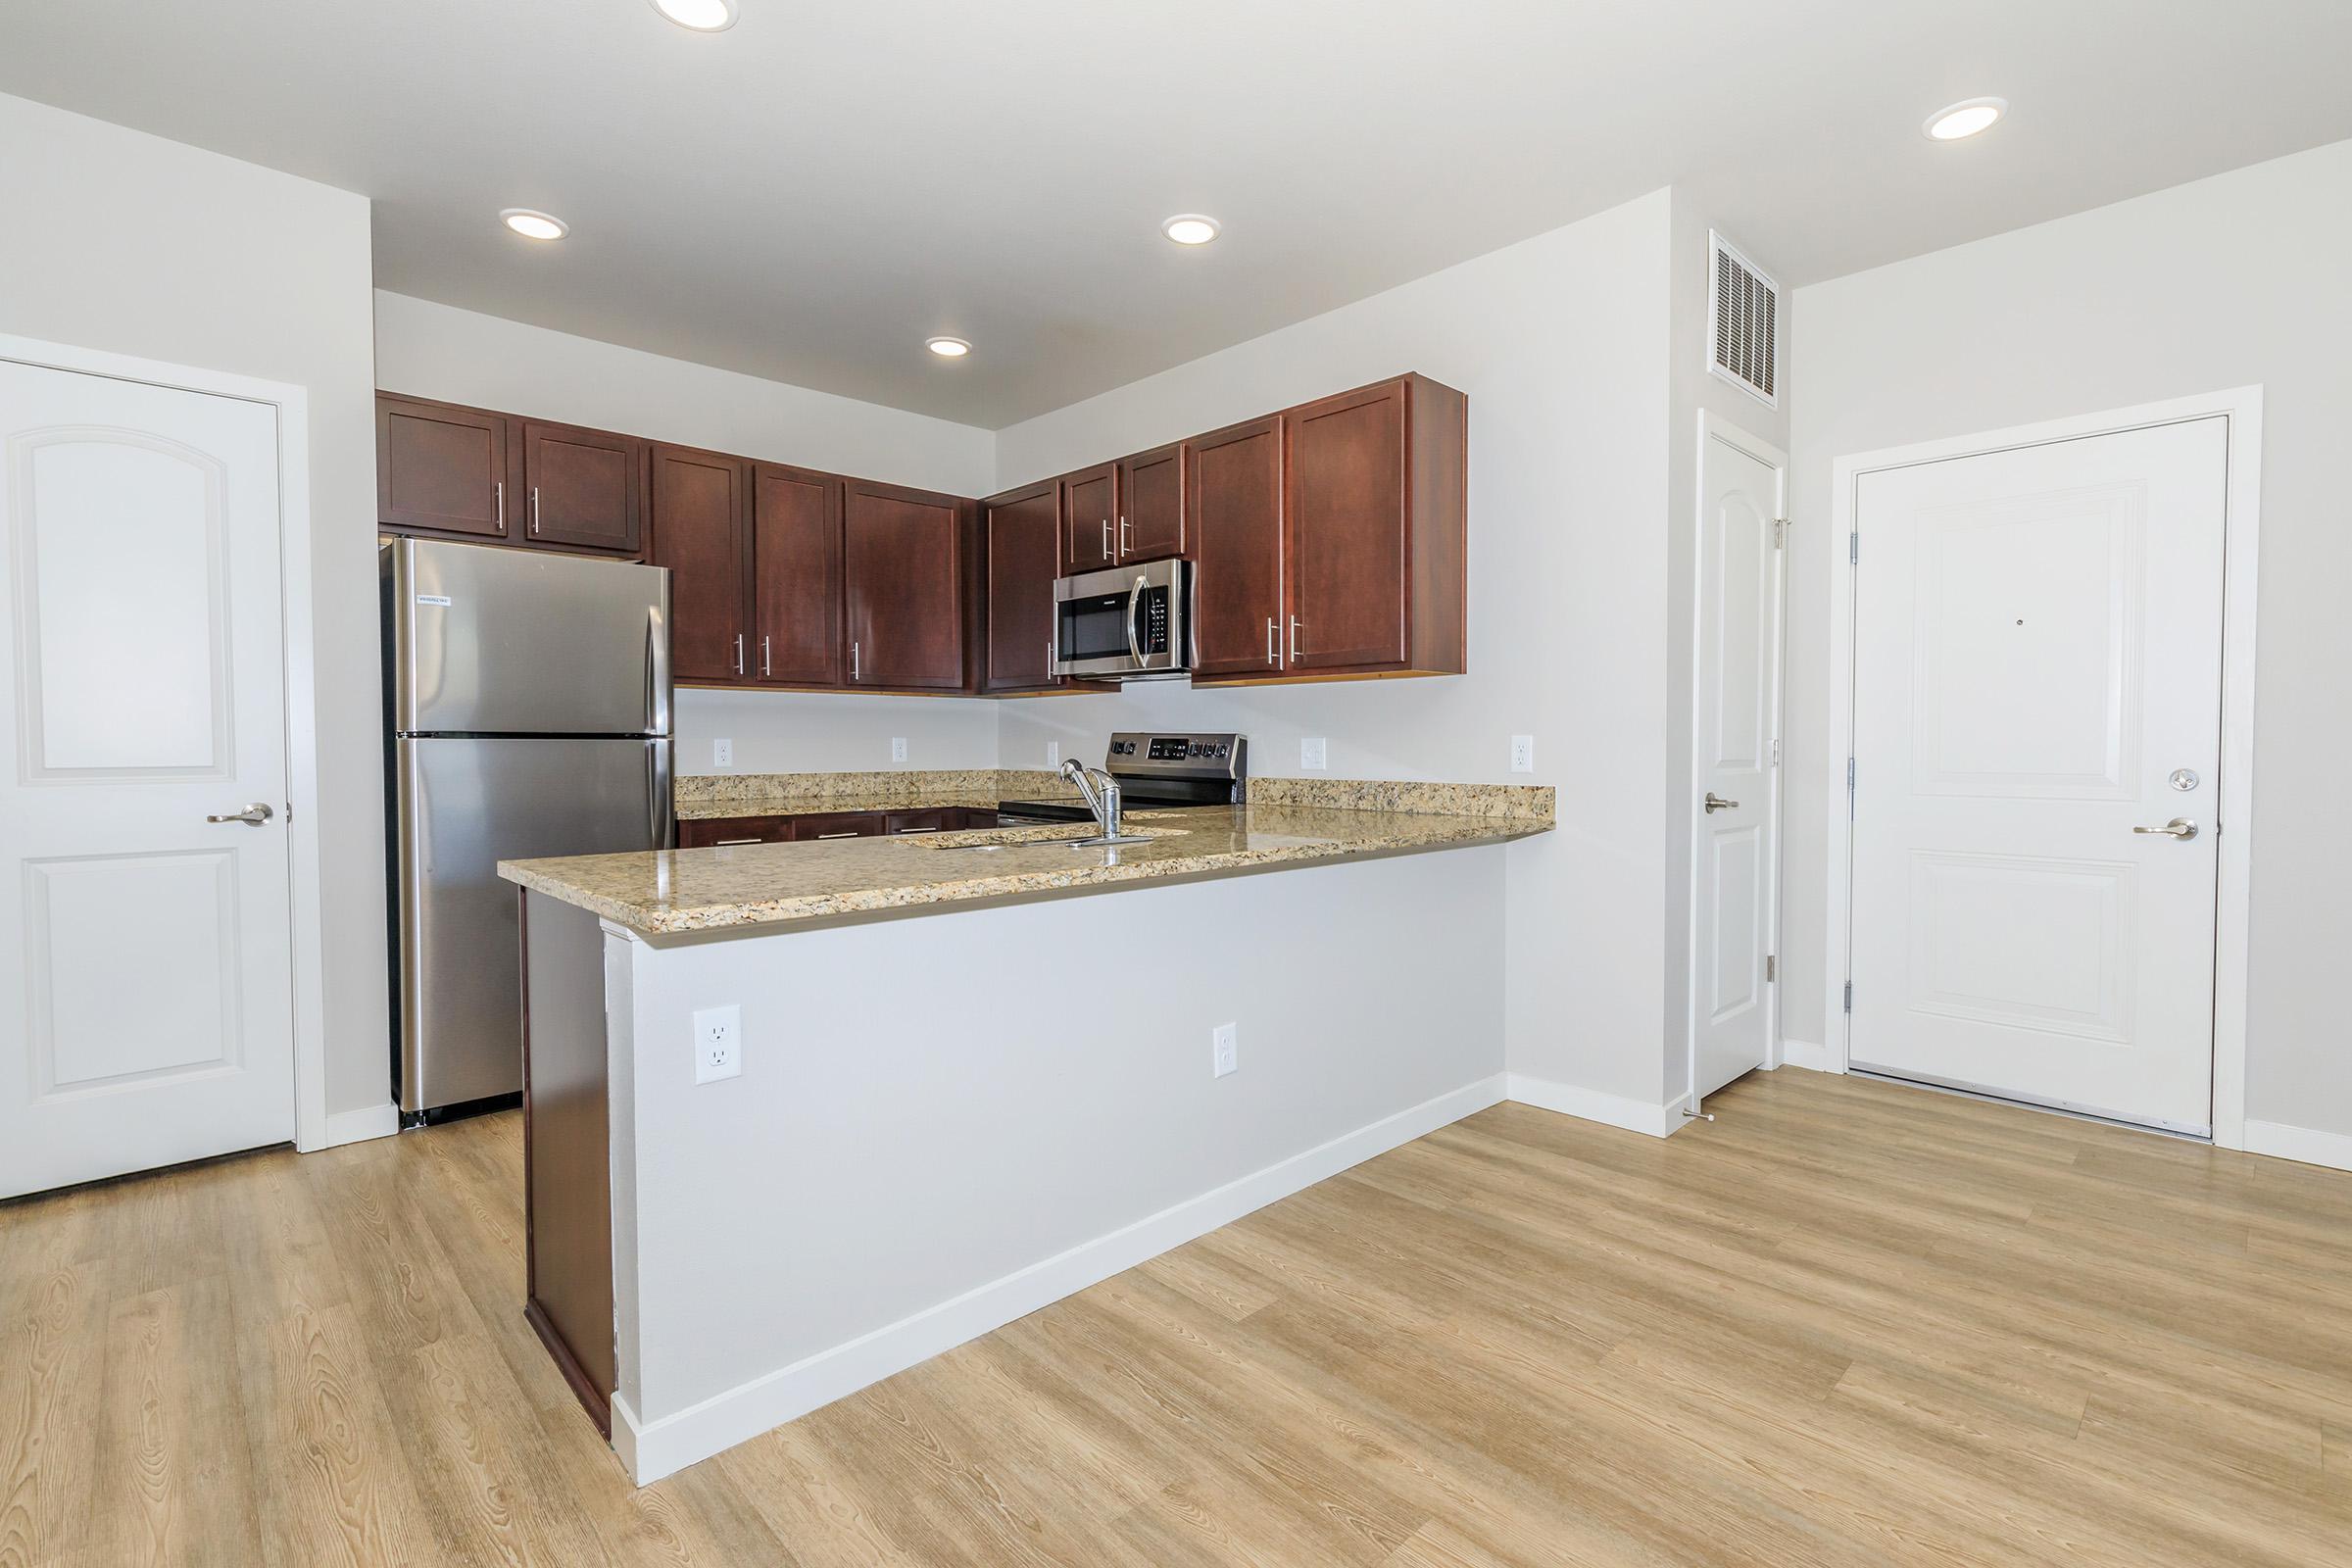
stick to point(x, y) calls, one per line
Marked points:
point(492, 639)
point(465, 805)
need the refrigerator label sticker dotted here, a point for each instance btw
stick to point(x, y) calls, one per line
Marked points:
point(432, 598)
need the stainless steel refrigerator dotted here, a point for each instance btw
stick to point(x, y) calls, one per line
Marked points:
point(527, 701)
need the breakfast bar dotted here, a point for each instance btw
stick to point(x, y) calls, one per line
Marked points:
point(748, 1067)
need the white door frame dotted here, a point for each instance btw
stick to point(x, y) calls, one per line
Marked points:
point(2234, 797)
point(291, 404)
point(1712, 427)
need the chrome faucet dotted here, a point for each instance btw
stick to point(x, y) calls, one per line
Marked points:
point(1101, 793)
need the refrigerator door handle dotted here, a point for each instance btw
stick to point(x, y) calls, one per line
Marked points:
point(657, 671)
point(662, 825)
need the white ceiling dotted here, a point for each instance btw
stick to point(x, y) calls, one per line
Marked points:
point(811, 194)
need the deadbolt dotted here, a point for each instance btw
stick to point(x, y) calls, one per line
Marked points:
point(2183, 779)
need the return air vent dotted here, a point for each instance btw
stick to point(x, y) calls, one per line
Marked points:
point(1744, 344)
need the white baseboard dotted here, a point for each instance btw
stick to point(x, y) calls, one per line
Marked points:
point(1806, 1054)
point(1615, 1110)
point(357, 1126)
point(652, 1450)
point(2309, 1145)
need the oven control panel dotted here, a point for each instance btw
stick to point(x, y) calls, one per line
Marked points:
point(1221, 755)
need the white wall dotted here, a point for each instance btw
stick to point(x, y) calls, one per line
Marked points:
point(437, 351)
point(1561, 344)
point(126, 242)
point(2229, 281)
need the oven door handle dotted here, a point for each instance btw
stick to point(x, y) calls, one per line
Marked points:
point(1135, 597)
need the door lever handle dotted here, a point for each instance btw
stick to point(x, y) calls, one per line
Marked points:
point(1716, 802)
point(2180, 827)
point(253, 816)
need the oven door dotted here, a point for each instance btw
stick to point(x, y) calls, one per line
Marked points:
point(1128, 624)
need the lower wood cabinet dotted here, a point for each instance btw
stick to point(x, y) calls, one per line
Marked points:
point(810, 828)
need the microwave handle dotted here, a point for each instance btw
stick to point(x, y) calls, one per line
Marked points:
point(1135, 597)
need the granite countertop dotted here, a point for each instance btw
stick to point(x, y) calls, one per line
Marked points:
point(664, 892)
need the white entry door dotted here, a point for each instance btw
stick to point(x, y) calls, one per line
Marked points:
point(1735, 862)
point(145, 966)
point(2038, 683)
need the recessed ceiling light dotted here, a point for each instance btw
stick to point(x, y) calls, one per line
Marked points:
point(947, 348)
point(1190, 228)
point(534, 226)
point(1965, 119)
point(703, 15)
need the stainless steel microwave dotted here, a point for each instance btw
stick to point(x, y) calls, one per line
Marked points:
point(1125, 623)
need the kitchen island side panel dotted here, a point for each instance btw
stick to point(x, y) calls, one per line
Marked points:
point(945, 1120)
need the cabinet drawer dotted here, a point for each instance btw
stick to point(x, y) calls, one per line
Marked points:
point(838, 825)
point(713, 832)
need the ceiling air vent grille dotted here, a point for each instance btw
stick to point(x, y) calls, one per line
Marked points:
point(1743, 343)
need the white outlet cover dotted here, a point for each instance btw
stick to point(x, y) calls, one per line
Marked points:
point(1225, 1048)
point(898, 747)
point(722, 753)
point(1523, 754)
point(1053, 753)
point(718, 1043)
point(1312, 753)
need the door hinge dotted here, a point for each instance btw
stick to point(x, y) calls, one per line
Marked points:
point(1776, 753)
point(1853, 549)
point(1849, 788)
point(1849, 996)
point(1772, 968)
point(1779, 533)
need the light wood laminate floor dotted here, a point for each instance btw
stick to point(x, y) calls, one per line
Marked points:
point(1845, 1324)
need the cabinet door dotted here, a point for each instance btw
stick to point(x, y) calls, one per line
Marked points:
point(1151, 517)
point(902, 568)
point(1344, 545)
point(440, 469)
point(796, 577)
point(1235, 497)
point(1024, 551)
point(720, 832)
point(582, 487)
point(838, 825)
point(698, 518)
point(1090, 516)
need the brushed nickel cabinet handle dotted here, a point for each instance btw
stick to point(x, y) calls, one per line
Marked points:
point(1294, 639)
point(738, 647)
point(1125, 547)
point(501, 487)
point(854, 676)
point(851, 833)
point(534, 509)
point(1105, 538)
point(767, 664)
point(1273, 653)
point(722, 844)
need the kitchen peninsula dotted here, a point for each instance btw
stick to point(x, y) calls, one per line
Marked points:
point(713, 1255)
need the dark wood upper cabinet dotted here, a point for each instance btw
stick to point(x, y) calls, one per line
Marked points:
point(1023, 531)
point(796, 577)
point(903, 575)
point(1234, 495)
point(440, 469)
point(1090, 517)
point(1374, 544)
point(582, 487)
point(700, 521)
point(1152, 511)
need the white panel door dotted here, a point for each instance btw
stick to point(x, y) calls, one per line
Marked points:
point(145, 966)
point(1734, 855)
point(2037, 680)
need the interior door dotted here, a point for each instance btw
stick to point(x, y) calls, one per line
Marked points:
point(1735, 780)
point(146, 990)
point(2038, 637)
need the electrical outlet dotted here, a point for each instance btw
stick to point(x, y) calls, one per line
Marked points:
point(1310, 752)
point(1053, 753)
point(718, 1043)
point(898, 747)
point(1523, 754)
point(722, 753)
point(1225, 1046)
